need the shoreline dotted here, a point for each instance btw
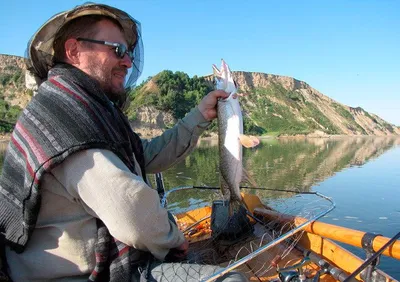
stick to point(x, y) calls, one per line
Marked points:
point(6, 137)
point(266, 137)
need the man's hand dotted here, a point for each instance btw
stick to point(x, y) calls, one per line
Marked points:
point(208, 104)
point(183, 248)
point(178, 253)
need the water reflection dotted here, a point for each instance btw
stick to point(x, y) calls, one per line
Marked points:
point(286, 163)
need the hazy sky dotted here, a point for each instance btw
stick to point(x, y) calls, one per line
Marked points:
point(348, 50)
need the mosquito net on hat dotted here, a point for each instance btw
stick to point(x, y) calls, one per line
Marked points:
point(40, 52)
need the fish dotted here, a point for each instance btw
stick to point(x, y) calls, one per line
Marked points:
point(230, 138)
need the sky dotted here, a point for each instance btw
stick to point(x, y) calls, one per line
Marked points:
point(348, 50)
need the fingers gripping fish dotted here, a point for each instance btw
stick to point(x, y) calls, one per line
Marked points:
point(231, 138)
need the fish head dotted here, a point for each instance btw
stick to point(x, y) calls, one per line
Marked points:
point(224, 79)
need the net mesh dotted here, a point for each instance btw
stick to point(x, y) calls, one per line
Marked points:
point(219, 239)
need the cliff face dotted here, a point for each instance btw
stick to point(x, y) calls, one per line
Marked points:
point(151, 122)
point(9, 60)
point(12, 81)
point(343, 119)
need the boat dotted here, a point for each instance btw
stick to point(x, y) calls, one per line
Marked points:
point(269, 245)
point(279, 246)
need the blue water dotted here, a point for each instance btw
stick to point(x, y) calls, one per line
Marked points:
point(367, 198)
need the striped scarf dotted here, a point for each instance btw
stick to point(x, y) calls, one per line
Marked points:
point(70, 113)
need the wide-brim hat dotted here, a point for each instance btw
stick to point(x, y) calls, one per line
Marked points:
point(40, 51)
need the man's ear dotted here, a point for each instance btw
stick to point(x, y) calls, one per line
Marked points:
point(72, 51)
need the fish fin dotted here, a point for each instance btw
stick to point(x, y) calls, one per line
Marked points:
point(246, 177)
point(248, 141)
point(216, 71)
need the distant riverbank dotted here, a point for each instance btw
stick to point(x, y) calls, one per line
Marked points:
point(5, 137)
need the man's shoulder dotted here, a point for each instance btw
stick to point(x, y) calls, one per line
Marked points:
point(59, 84)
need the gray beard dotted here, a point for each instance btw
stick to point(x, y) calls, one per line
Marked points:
point(118, 97)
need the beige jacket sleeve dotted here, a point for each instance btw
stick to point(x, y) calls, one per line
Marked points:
point(174, 144)
point(129, 208)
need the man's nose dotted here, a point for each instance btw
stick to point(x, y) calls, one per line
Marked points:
point(126, 61)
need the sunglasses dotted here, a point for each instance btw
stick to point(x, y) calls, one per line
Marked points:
point(119, 49)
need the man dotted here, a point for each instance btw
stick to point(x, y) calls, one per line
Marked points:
point(74, 193)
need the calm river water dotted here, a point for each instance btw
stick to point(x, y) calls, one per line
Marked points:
point(362, 176)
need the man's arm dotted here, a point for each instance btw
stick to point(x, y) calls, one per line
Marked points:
point(129, 208)
point(174, 144)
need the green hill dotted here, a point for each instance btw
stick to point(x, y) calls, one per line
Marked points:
point(12, 91)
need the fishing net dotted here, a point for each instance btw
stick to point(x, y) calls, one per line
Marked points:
point(255, 240)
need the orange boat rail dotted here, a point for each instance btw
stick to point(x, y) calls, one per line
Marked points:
point(334, 232)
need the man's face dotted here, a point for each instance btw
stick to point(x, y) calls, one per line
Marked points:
point(101, 62)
